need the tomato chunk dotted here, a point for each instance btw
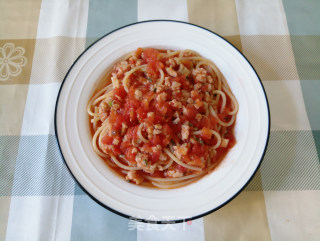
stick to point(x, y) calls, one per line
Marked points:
point(155, 156)
point(141, 114)
point(206, 133)
point(120, 92)
point(107, 140)
point(130, 154)
point(190, 112)
point(199, 149)
point(150, 57)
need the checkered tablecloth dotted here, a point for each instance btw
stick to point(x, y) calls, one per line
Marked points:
point(39, 40)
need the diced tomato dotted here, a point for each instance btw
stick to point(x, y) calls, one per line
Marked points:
point(199, 103)
point(206, 133)
point(213, 121)
point(152, 70)
point(197, 161)
point(182, 119)
point(116, 149)
point(135, 79)
point(141, 114)
point(176, 131)
point(199, 149)
point(145, 103)
point(167, 130)
point(154, 156)
point(163, 108)
point(147, 147)
point(120, 92)
point(205, 88)
point(132, 133)
point(124, 145)
point(156, 140)
point(132, 101)
point(158, 119)
point(191, 112)
point(205, 122)
point(157, 173)
point(147, 99)
point(195, 95)
point(185, 84)
point(184, 80)
point(150, 55)
point(168, 133)
point(138, 52)
point(116, 121)
point(187, 63)
point(129, 114)
point(130, 156)
point(107, 140)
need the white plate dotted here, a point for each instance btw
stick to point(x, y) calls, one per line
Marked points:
point(192, 201)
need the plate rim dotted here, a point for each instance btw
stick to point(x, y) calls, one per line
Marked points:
point(162, 221)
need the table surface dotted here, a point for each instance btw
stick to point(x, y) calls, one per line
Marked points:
point(39, 40)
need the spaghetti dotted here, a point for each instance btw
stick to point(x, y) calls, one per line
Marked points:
point(163, 118)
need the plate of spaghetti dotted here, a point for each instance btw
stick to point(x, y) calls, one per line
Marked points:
point(162, 121)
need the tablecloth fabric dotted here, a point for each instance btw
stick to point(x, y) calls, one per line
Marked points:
point(39, 40)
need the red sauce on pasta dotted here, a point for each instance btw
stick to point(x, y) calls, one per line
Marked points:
point(163, 117)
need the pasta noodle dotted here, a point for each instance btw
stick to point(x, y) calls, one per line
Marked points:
point(163, 118)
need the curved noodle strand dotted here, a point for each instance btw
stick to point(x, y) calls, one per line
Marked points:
point(127, 75)
point(174, 185)
point(224, 99)
point(92, 99)
point(167, 55)
point(114, 159)
point(168, 165)
point(220, 121)
point(216, 134)
point(161, 77)
point(173, 157)
point(234, 101)
point(94, 142)
point(140, 134)
point(173, 179)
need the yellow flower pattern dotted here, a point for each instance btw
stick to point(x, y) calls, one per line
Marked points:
point(11, 61)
